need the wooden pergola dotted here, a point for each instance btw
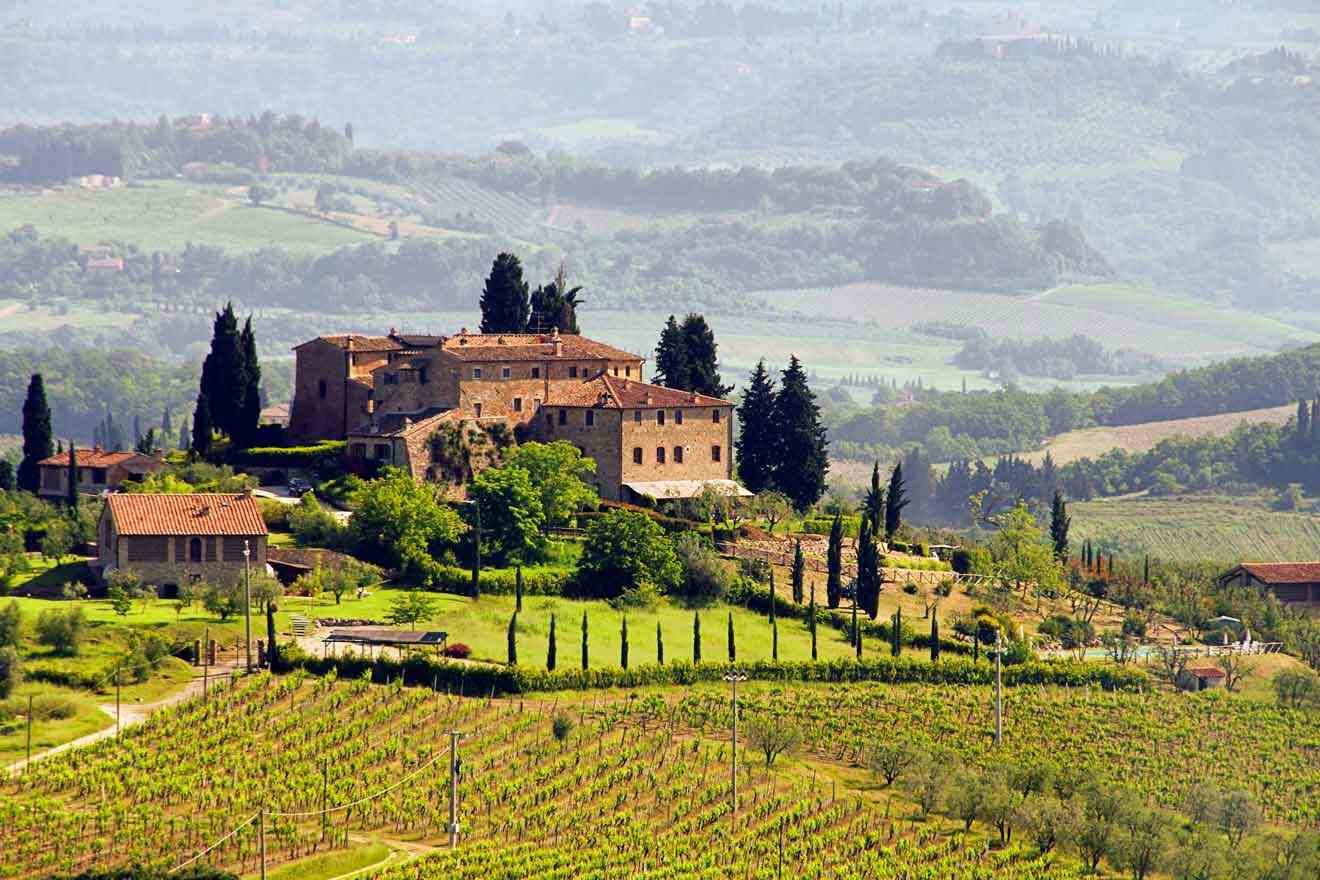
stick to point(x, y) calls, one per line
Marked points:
point(372, 638)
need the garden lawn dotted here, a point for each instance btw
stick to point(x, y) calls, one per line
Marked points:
point(330, 865)
point(86, 719)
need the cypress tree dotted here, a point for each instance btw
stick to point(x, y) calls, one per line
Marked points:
point(934, 638)
point(874, 505)
point(896, 634)
point(248, 416)
point(8, 480)
point(166, 422)
point(811, 620)
point(834, 563)
point(584, 640)
point(1059, 525)
point(224, 374)
point(702, 359)
point(137, 429)
point(733, 649)
point(551, 652)
point(895, 500)
point(185, 435)
point(38, 439)
point(73, 477)
point(803, 457)
point(696, 637)
point(513, 639)
point(1303, 435)
point(672, 369)
point(202, 427)
point(857, 633)
point(774, 621)
point(517, 588)
point(475, 586)
point(756, 431)
point(505, 303)
point(1145, 573)
point(799, 572)
point(1315, 420)
point(659, 645)
point(623, 642)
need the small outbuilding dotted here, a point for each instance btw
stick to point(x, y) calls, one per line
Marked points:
point(1296, 583)
point(1203, 678)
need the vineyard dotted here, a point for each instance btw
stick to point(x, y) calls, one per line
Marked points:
point(511, 214)
point(608, 787)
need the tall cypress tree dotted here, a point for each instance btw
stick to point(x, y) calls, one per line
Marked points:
point(1060, 522)
point(584, 640)
point(8, 479)
point(672, 369)
point(38, 439)
point(895, 500)
point(202, 428)
point(733, 648)
point(513, 639)
point(517, 588)
point(856, 633)
point(874, 507)
point(1303, 435)
point(552, 651)
point(623, 642)
point(702, 358)
point(798, 572)
point(166, 423)
point(834, 563)
point(868, 571)
point(1315, 420)
point(185, 435)
point(249, 413)
point(505, 303)
point(934, 638)
point(696, 637)
point(774, 622)
point(73, 477)
point(756, 432)
point(811, 620)
point(224, 374)
point(659, 645)
point(896, 633)
point(803, 460)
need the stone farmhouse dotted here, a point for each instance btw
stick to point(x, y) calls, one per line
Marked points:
point(441, 406)
point(173, 539)
point(98, 471)
point(1294, 583)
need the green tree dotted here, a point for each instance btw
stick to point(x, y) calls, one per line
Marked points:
point(8, 479)
point(798, 573)
point(411, 608)
point(552, 649)
point(934, 638)
point(248, 415)
point(554, 306)
point(202, 428)
point(147, 445)
point(38, 439)
point(757, 434)
point(512, 515)
point(224, 379)
point(834, 563)
point(11, 625)
point(505, 306)
point(703, 375)
point(1060, 522)
point(802, 460)
point(874, 506)
point(868, 571)
point(733, 648)
point(672, 369)
point(513, 639)
point(11, 671)
point(59, 540)
point(623, 642)
point(696, 637)
point(895, 500)
point(811, 621)
point(624, 550)
point(659, 645)
point(402, 523)
point(1022, 556)
point(558, 471)
point(71, 497)
point(62, 631)
point(896, 633)
point(517, 588)
point(584, 640)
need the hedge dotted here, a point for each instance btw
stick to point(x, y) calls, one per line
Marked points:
point(482, 680)
point(319, 455)
point(537, 581)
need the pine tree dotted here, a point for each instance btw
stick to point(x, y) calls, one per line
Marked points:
point(38, 442)
point(733, 648)
point(895, 500)
point(703, 374)
point(73, 477)
point(224, 374)
point(248, 416)
point(672, 369)
point(756, 444)
point(834, 563)
point(552, 651)
point(799, 572)
point(803, 460)
point(811, 619)
point(517, 588)
point(696, 637)
point(934, 638)
point(659, 645)
point(584, 640)
point(1059, 525)
point(505, 306)
point(874, 507)
point(623, 642)
point(896, 633)
point(513, 639)
point(8, 479)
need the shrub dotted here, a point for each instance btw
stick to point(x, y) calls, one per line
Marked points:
point(314, 457)
point(275, 513)
point(537, 580)
point(1297, 688)
point(704, 578)
point(457, 650)
point(10, 671)
point(11, 625)
point(625, 549)
point(63, 631)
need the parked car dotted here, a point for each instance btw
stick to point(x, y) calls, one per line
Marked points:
point(298, 487)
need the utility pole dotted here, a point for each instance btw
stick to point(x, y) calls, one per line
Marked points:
point(999, 689)
point(247, 602)
point(733, 678)
point(453, 787)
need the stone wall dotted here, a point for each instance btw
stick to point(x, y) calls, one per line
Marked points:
point(695, 436)
point(167, 559)
point(324, 397)
point(599, 441)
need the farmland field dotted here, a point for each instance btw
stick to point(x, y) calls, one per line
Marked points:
point(1196, 529)
point(632, 785)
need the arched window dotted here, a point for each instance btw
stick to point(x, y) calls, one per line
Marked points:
point(195, 550)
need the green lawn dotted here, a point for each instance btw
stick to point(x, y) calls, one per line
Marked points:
point(87, 718)
point(329, 865)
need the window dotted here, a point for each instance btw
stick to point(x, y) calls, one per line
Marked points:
point(637, 455)
point(563, 417)
point(715, 453)
point(50, 477)
point(591, 417)
point(572, 372)
point(476, 409)
point(517, 404)
point(391, 378)
point(476, 372)
point(627, 372)
point(505, 372)
point(421, 375)
point(715, 415)
point(98, 476)
point(536, 372)
point(549, 420)
point(359, 450)
point(678, 455)
point(382, 451)
point(320, 389)
point(616, 371)
point(659, 417)
point(659, 455)
point(195, 546)
point(678, 417)
point(637, 416)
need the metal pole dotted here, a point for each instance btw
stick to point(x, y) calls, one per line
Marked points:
point(453, 788)
point(29, 735)
point(262, 835)
point(247, 604)
point(734, 743)
point(999, 690)
point(116, 701)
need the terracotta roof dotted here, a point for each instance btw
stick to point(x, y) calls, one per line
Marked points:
point(1284, 572)
point(603, 391)
point(405, 424)
point(531, 347)
point(198, 514)
point(98, 458)
point(360, 342)
point(1207, 672)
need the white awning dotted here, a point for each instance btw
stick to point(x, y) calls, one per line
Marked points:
point(662, 489)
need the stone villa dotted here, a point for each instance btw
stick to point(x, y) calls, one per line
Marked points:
point(439, 406)
point(98, 471)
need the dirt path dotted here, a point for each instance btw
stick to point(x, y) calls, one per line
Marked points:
point(129, 714)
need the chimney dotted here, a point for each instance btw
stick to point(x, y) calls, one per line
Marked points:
point(247, 491)
point(695, 397)
point(393, 332)
point(649, 400)
point(557, 345)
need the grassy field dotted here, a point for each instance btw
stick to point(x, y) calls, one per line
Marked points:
point(328, 866)
point(1093, 442)
point(1196, 528)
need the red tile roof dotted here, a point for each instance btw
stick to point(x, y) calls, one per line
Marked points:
point(194, 514)
point(1284, 572)
point(603, 391)
point(360, 342)
point(98, 458)
point(1207, 672)
point(531, 347)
